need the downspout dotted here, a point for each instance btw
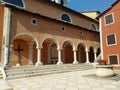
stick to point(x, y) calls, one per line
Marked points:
point(101, 41)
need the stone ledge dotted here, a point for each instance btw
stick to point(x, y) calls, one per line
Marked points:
point(104, 66)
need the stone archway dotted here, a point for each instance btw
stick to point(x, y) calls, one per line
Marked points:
point(67, 52)
point(49, 53)
point(91, 54)
point(24, 50)
point(81, 53)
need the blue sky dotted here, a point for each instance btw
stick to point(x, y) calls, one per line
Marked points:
point(89, 5)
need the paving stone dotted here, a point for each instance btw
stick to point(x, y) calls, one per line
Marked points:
point(66, 81)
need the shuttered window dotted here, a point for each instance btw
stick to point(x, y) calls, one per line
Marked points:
point(113, 59)
point(111, 39)
point(109, 19)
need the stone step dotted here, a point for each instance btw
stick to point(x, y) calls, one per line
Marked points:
point(29, 71)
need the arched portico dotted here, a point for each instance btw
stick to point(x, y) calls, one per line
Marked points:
point(22, 47)
point(98, 51)
point(49, 51)
point(81, 53)
point(68, 55)
point(91, 54)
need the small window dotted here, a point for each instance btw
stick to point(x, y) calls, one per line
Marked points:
point(111, 40)
point(109, 19)
point(93, 27)
point(113, 59)
point(34, 21)
point(65, 17)
point(81, 33)
point(63, 28)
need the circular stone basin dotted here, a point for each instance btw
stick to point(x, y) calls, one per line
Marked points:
point(104, 70)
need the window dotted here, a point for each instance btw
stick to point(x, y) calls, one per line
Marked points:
point(65, 17)
point(63, 29)
point(113, 59)
point(109, 19)
point(34, 21)
point(18, 3)
point(111, 39)
point(81, 33)
point(93, 27)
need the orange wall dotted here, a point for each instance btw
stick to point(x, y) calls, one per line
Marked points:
point(21, 22)
point(54, 11)
point(23, 54)
point(110, 29)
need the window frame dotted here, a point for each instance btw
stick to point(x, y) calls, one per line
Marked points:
point(113, 55)
point(112, 18)
point(65, 20)
point(115, 39)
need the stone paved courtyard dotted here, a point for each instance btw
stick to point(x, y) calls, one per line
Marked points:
point(76, 80)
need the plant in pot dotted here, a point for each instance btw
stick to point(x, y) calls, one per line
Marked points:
point(102, 62)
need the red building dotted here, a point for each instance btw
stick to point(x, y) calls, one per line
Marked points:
point(110, 33)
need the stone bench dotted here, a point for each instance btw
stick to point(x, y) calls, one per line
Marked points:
point(104, 70)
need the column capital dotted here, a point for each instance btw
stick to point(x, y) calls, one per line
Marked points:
point(74, 50)
point(86, 50)
point(95, 51)
point(59, 49)
point(39, 47)
point(11, 45)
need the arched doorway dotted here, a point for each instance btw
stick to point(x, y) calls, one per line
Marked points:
point(91, 54)
point(81, 54)
point(23, 50)
point(98, 51)
point(49, 51)
point(67, 53)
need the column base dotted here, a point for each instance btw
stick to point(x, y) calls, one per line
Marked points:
point(17, 65)
point(38, 64)
point(30, 63)
point(9, 64)
point(87, 62)
point(6, 67)
point(59, 63)
point(75, 62)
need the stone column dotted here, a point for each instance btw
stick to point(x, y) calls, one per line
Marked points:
point(10, 56)
point(59, 57)
point(75, 57)
point(79, 56)
point(87, 56)
point(7, 30)
point(5, 56)
point(38, 57)
point(95, 54)
point(2, 55)
point(63, 54)
point(30, 62)
point(49, 57)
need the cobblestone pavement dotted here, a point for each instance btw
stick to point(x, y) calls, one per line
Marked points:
point(76, 80)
